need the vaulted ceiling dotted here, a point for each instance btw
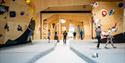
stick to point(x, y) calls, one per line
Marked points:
point(50, 4)
point(41, 5)
point(64, 5)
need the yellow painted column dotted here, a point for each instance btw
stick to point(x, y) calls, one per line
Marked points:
point(124, 21)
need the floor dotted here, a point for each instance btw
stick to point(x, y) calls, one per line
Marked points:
point(87, 49)
point(61, 54)
point(75, 51)
point(25, 53)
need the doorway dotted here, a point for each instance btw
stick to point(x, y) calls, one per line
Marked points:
point(70, 22)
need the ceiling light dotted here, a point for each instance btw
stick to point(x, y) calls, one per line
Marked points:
point(28, 1)
point(62, 21)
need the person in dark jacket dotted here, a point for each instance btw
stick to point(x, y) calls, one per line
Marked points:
point(64, 37)
point(74, 35)
point(98, 35)
point(81, 34)
point(56, 37)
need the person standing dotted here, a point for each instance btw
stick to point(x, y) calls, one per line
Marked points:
point(30, 28)
point(30, 34)
point(48, 36)
point(56, 37)
point(110, 38)
point(81, 35)
point(74, 35)
point(64, 37)
point(98, 35)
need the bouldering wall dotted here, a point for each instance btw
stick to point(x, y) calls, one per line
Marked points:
point(113, 14)
point(15, 21)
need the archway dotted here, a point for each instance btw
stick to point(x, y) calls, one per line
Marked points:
point(71, 17)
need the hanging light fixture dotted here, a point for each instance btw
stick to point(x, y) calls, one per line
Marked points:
point(28, 1)
point(62, 21)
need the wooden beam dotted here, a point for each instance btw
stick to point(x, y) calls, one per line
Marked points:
point(65, 12)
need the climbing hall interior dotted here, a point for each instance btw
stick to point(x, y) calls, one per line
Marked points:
point(27, 24)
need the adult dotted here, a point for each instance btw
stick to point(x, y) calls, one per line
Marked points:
point(81, 34)
point(56, 37)
point(74, 35)
point(64, 37)
point(48, 36)
point(98, 35)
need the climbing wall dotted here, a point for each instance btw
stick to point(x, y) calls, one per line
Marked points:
point(15, 21)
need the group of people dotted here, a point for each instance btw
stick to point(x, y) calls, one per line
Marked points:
point(81, 33)
point(65, 36)
point(108, 36)
point(56, 36)
point(98, 30)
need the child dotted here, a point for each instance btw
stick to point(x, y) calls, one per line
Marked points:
point(110, 38)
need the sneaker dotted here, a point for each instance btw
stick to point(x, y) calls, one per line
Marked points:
point(97, 47)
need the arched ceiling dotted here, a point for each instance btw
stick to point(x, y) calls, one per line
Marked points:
point(63, 5)
point(45, 4)
point(69, 16)
point(70, 8)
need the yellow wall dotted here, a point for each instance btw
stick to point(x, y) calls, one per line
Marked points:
point(76, 19)
point(34, 11)
point(13, 22)
point(37, 27)
point(109, 21)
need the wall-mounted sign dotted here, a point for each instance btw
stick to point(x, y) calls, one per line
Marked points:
point(111, 12)
point(104, 12)
point(120, 5)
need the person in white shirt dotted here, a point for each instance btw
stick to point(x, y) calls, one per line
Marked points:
point(110, 37)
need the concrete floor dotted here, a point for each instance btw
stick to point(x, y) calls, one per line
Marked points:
point(25, 53)
point(87, 50)
point(61, 54)
point(76, 51)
